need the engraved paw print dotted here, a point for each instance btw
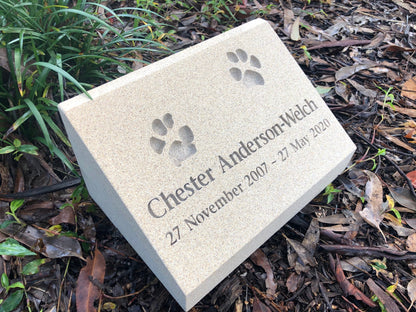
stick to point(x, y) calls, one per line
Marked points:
point(179, 150)
point(246, 70)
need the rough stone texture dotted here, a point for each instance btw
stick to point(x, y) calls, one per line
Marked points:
point(173, 127)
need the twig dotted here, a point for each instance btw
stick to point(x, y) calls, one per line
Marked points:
point(370, 251)
point(340, 43)
point(129, 295)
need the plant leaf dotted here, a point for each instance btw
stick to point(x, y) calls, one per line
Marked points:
point(18, 123)
point(40, 121)
point(4, 280)
point(57, 130)
point(17, 285)
point(12, 301)
point(33, 267)
point(28, 149)
point(7, 149)
point(87, 292)
point(6, 223)
point(16, 204)
point(11, 247)
point(65, 74)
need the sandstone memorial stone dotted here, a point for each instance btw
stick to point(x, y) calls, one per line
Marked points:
point(199, 158)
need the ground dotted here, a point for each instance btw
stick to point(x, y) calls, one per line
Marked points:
point(353, 248)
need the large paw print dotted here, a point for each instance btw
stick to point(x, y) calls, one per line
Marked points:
point(245, 70)
point(179, 150)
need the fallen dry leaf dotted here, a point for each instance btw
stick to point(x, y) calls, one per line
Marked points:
point(311, 239)
point(411, 243)
point(395, 49)
point(288, 18)
point(65, 216)
point(294, 33)
point(348, 71)
point(305, 256)
point(260, 259)
point(411, 223)
point(238, 305)
point(49, 246)
point(409, 89)
point(405, 111)
point(388, 302)
point(293, 282)
point(401, 230)
point(346, 286)
point(411, 291)
point(403, 197)
point(259, 306)
point(373, 212)
point(355, 264)
point(397, 141)
point(86, 291)
point(412, 177)
point(363, 90)
point(335, 219)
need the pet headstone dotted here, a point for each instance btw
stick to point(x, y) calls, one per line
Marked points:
point(200, 157)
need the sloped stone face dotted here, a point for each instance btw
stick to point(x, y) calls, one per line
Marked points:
point(199, 158)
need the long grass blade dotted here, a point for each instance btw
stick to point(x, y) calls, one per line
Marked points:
point(56, 129)
point(40, 121)
point(18, 123)
point(65, 74)
point(92, 17)
point(60, 78)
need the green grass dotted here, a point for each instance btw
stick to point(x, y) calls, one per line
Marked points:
point(50, 51)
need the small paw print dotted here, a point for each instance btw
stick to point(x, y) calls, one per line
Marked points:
point(244, 72)
point(179, 150)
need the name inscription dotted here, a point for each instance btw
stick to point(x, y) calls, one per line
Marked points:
point(160, 205)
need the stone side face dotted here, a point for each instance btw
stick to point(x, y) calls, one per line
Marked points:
point(199, 158)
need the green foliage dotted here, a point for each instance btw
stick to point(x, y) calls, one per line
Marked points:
point(306, 52)
point(218, 10)
point(33, 267)
point(380, 152)
point(260, 12)
point(330, 191)
point(397, 214)
point(14, 205)
point(12, 301)
point(388, 97)
point(17, 148)
point(11, 247)
point(5, 283)
point(51, 49)
point(381, 305)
